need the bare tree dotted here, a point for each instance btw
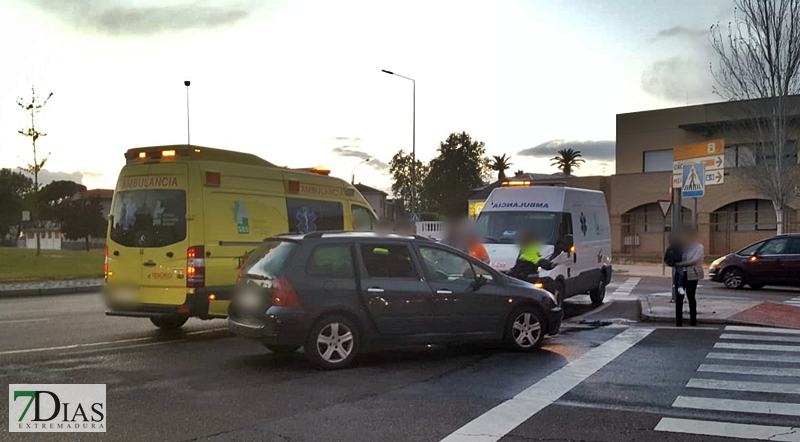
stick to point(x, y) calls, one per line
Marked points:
point(34, 106)
point(759, 68)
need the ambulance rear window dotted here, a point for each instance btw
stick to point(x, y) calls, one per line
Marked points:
point(148, 218)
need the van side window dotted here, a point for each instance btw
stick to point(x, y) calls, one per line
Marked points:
point(388, 261)
point(363, 221)
point(306, 215)
point(332, 261)
point(566, 225)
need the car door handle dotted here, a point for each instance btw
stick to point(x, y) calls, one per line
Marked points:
point(444, 292)
point(375, 290)
point(150, 263)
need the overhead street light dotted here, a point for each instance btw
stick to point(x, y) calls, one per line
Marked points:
point(353, 172)
point(413, 137)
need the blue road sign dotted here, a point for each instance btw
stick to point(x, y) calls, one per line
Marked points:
point(694, 180)
point(415, 217)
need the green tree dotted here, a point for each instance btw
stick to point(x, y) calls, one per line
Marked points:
point(34, 106)
point(53, 195)
point(519, 173)
point(499, 164)
point(14, 187)
point(82, 219)
point(567, 160)
point(459, 168)
point(402, 185)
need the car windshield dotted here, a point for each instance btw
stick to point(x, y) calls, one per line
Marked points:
point(148, 218)
point(503, 227)
point(269, 259)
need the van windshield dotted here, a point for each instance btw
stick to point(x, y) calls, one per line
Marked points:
point(503, 227)
point(148, 218)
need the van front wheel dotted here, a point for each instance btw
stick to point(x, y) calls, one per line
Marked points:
point(169, 322)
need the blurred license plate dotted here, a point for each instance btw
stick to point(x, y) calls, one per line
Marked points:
point(249, 300)
point(127, 295)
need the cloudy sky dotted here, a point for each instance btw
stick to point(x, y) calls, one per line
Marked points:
point(299, 82)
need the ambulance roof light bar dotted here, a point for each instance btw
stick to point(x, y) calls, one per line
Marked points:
point(516, 183)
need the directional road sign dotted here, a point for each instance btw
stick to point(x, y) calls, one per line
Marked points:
point(694, 186)
point(709, 153)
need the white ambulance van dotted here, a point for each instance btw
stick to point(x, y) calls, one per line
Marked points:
point(578, 217)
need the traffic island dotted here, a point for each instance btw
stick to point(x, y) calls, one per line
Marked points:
point(769, 314)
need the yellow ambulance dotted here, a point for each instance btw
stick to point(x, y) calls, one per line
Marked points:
point(183, 219)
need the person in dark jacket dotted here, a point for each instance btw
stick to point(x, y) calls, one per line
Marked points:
point(530, 259)
point(672, 256)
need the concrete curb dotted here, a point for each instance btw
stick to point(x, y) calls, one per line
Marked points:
point(57, 291)
point(648, 317)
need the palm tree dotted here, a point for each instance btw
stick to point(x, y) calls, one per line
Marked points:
point(519, 173)
point(500, 164)
point(567, 160)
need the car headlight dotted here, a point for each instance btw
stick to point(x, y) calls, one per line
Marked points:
point(717, 262)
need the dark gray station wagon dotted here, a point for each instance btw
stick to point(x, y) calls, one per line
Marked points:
point(336, 294)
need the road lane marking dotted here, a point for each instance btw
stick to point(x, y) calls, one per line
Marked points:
point(754, 357)
point(22, 321)
point(725, 429)
point(763, 347)
point(753, 387)
point(99, 344)
point(744, 328)
point(739, 406)
point(502, 419)
point(769, 338)
point(744, 369)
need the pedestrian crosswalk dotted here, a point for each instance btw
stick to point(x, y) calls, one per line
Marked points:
point(794, 301)
point(748, 387)
point(623, 291)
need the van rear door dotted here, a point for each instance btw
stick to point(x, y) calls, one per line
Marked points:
point(150, 221)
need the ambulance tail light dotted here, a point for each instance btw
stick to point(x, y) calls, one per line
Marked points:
point(516, 183)
point(195, 267)
point(105, 265)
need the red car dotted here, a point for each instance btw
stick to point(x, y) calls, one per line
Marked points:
point(773, 261)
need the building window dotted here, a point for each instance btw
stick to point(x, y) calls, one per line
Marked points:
point(658, 160)
point(746, 216)
point(744, 155)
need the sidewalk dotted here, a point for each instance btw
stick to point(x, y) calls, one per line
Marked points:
point(645, 270)
point(47, 288)
point(657, 308)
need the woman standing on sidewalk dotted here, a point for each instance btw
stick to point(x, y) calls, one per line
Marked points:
point(692, 266)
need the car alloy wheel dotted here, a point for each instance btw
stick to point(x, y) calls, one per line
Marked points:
point(333, 343)
point(525, 330)
point(733, 279)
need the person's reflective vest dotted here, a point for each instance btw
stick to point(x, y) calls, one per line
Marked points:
point(530, 252)
point(477, 250)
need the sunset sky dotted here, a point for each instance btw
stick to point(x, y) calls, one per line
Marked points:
point(300, 84)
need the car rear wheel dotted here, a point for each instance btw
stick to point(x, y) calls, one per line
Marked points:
point(525, 329)
point(733, 279)
point(282, 349)
point(169, 322)
point(598, 294)
point(333, 343)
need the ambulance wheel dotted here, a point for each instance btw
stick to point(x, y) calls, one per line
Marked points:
point(598, 293)
point(169, 322)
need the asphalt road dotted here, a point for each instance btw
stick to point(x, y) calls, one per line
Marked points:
point(203, 384)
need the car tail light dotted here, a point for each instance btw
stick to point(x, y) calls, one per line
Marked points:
point(283, 294)
point(195, 267)
point(105, 265)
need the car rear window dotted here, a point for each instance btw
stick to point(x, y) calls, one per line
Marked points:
point(269, 259)
point(148, 218)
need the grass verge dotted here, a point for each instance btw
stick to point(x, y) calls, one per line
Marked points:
point(18, 265)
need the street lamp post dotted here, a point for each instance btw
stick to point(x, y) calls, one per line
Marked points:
point(188, 137)
point(413, 137)
point(353, 172)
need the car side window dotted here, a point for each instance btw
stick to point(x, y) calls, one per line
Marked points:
point(331, 261)
point(794, 247)
point(363, 221)
point(747, 251)
point(775, 246)
point(441, 265)
point(388, 261)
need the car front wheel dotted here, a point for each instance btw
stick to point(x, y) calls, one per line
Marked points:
point(525, 329)
point(733, 279)
point(333, 343)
